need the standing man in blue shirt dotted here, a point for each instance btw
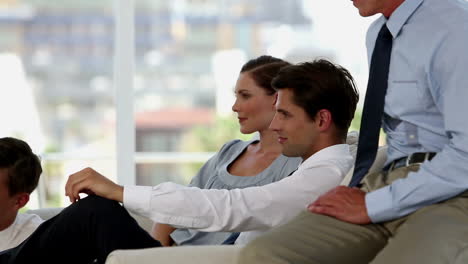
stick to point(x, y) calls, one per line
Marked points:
point(416, 209)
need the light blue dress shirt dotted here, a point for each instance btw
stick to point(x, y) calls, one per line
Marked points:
point(426, 105)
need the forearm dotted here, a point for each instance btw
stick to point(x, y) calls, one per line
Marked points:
point(162, 233)
point(442, 178)
point(206, 210)
point(117, 194)
point(230, 210)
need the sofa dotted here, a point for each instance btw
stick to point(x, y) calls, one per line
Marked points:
point(203, 254)
point(224, 254)
point(185, 254)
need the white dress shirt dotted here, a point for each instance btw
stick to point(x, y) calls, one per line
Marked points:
point(23, 226)
point(253, 208)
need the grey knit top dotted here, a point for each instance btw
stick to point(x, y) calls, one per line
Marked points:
point(214, 175)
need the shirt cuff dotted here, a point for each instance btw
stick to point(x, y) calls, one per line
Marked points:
point(137, 199)
point(380, 206)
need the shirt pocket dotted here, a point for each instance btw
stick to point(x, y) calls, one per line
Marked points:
point(406, 96)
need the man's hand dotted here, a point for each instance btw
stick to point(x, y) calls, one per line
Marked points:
point(343, 203)
point(90, 181)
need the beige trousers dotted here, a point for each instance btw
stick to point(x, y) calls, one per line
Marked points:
point(434, 234)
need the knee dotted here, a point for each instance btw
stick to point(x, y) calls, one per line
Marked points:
point(462, 256)
point(97, 203)
point(93, 205)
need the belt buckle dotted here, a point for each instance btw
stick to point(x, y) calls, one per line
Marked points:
point(410, 157)
point(408, 160)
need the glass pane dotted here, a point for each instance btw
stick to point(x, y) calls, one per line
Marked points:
point(57, 92)
point(189, 53)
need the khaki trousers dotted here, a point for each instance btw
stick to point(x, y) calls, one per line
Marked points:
point(434, 234)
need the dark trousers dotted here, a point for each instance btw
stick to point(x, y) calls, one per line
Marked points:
point(83, 232)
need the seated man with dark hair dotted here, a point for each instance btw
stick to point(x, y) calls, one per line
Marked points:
point(20, 170)
point(314, 108)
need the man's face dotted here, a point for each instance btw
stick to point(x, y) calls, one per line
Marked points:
point(371, 7)
point(8, 204)
point(297, 133)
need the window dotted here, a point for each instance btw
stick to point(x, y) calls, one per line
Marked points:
point(142, 90)
point(57, 90)
point(188, 57)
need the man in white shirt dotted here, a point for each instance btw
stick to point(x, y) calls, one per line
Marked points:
point(315, 105)
point(20, 170)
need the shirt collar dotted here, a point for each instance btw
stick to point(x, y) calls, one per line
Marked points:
point(332, 152)
point(401, 15)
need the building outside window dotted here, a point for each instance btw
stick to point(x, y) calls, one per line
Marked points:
point(58, 62)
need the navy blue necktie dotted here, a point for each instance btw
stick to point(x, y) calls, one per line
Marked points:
point(373, 106)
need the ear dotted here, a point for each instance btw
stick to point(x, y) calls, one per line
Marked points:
point(21, 200)
point(324, 119)
point(275, 99)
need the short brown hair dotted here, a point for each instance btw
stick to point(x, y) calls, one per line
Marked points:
point(263, 69)
point(22, 165)
point(320, 84)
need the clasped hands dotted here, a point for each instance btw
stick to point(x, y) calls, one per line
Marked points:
point(90, 182)
point(343, 203)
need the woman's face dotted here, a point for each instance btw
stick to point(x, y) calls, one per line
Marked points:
point(254, 107)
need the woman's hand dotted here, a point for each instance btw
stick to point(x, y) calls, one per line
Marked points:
point(162, 233)
point(90, 181)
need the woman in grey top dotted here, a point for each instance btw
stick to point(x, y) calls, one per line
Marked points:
point(241, 164)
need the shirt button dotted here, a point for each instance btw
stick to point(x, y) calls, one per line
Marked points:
point(412, 136)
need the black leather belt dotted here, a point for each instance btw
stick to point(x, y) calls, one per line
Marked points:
point(415, 158)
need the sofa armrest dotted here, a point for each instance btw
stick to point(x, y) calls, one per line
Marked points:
point(380, 159)
point(45, 213)
point(378, 164)
point(224, 254)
